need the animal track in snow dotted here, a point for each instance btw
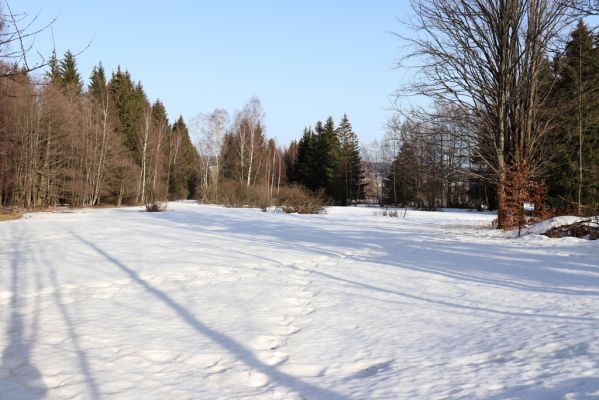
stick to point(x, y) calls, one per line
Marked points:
point(251, 378)
point(273, 358)
point(282, 319)
point(303, 370)
point(301, 310)
point(368, 368)
point(266, 343)
point(204, 360)
point(286, 330)
point(159, 355)
point(297, 301)
point(301, 281)
point(305, 294)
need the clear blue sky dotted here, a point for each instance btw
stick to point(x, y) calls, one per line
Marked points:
point(304, 59)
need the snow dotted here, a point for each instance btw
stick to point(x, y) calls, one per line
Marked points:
point(542, 227)
point(204, 302)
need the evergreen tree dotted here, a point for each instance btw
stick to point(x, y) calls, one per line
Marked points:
point(184, 178)
point(129, 100)
point(400, 187)
point(350, 174)
point(97, 84)
point(290, 160)
point(70, 79)
point(159, 111)
point(54, 73)
point(307, 162)
point(573, 180)
point(327, 154)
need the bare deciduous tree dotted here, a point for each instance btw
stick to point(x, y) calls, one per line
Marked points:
point(17, 36)
point(209, 132)
point(488, 59)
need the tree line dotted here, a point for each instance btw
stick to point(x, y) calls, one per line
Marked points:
point(64, 142)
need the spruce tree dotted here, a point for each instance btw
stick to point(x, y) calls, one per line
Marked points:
point(400, 187)
point(184, 179)
point(97, 81)
point(327, 154)
point(573, 179)
point(54, 73)
point(159, 111)
point(129, 100)
point(350, 174)
point(290, 159)
point(70, 79)
point(306, 164)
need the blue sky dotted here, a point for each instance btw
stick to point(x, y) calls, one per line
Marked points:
point(304, 59)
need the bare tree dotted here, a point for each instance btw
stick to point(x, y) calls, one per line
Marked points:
point(174, 144)
point(17, 36)
point(143, 139)
point(209, 132)
point(488, 59)
point(254, 115)
point(160, 131)
point(247, 130)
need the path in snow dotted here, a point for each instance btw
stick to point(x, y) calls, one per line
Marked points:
point(204, 302)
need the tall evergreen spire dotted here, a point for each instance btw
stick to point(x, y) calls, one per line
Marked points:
point(70, 79)
point(350, 174)
point(54, 73)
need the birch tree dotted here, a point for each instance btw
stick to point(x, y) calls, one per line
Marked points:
point(143, 139)
point(209, 133)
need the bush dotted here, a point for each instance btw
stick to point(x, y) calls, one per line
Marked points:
point(295, 199)
point(394, 213)
point(155, 206)
point(389, 213)
point(237, 194)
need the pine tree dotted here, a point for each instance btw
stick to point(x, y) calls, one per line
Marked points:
point(350, 174)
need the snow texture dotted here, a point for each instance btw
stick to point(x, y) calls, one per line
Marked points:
point(203, 302)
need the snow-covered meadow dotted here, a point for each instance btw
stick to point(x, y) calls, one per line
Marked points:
point(203, 302)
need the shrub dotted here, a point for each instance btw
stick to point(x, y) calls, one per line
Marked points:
point(522, 187)
point(295, 199)
point(237, 194)
point(394, 213)
point(155, 206)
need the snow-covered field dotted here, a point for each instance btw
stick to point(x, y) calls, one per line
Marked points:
point(204, 302)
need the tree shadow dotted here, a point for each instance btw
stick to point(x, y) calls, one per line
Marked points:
point(82, 359)
point(227, 343)
point(585, 388)
point(20, 377)
point(308, 247)
point(484, 310)
point(417, 251)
